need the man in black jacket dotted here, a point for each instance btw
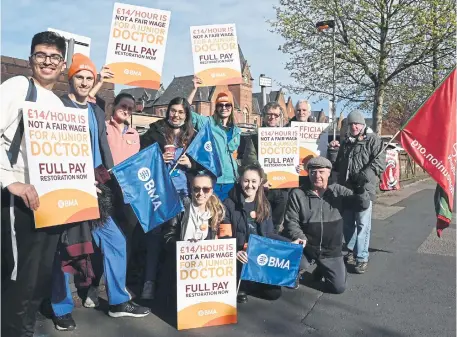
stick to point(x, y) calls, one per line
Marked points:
point(314, 216)
point(360, 151)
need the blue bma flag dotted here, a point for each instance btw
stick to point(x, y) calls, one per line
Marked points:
point(272, 262)
point(147, 187)
point(204, 151)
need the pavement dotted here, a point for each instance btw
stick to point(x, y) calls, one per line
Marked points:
point(408, 290)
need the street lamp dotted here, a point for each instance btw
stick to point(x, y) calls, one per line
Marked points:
point(321, 26)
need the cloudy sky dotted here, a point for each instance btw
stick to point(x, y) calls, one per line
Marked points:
point(21, 19)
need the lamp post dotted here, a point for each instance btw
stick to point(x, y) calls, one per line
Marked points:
point(321, 26)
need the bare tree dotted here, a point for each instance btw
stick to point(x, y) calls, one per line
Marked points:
point(378, 42)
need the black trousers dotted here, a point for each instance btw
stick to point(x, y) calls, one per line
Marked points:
point(332, 269)
point(21, 298)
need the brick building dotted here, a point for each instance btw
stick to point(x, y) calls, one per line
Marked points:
point(274, 96)
point(204, 100)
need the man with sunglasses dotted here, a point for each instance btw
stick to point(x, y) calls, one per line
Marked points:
point(27, 253)
point(107, 235)
point(272, 113)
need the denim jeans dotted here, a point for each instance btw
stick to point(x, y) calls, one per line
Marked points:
point(112, 243)
point(357, 231)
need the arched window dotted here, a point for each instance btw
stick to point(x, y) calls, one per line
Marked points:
point(246, 115)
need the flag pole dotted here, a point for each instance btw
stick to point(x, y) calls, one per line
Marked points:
point(238, 287)
point(182, 154)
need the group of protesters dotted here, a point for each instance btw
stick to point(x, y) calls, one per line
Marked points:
point(37, 263)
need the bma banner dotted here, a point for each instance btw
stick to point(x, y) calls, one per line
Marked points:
point(136, 47)
point(313, 140)
point(278, 155)
point(390, 178)
point(272, 262)
point(60, 164)
point(216, 55)
point(146, 185)
point(206, 288)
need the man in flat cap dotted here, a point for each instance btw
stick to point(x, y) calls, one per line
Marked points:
point(361, 151)
point(314, 218)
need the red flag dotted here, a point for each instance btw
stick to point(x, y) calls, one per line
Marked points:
point(429, 137)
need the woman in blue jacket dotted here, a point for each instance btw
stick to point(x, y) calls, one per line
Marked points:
point(249, 212)
point(226, 135)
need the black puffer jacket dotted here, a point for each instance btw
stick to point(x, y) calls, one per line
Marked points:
point(319, 220)
point(237, 216)
point(357, 156)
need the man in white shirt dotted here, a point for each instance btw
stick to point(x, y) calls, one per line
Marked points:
point(27, 253)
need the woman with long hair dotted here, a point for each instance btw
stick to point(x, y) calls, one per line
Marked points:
point(174, 133)
point(201, 217)
point(249, 212)
point(226, 136)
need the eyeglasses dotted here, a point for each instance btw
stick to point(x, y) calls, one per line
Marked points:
point(126, 108)
point(177, 112)
point(205, 190)
point(42, 57)
point(224, 105)
point(300, 110)
point(272, 116)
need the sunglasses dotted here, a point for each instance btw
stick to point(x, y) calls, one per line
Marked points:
point(205, 190)
point(224, 105)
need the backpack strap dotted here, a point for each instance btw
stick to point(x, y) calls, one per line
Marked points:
point(13, 152)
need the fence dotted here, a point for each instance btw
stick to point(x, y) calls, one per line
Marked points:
point(409, 169)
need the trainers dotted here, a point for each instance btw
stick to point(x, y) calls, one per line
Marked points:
point(149, 290)
point(361, 267)
point(128, 309)
point(349, 258)
point(64, 323)
point(92, 298)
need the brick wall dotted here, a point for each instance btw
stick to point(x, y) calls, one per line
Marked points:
point(13, 66)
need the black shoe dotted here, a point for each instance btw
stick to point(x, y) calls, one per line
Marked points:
point(242, 297)
point(128, 309)
point(92, 298)
point(64, 323)
point(349, 258)
point(361, 267)
point(149, 290)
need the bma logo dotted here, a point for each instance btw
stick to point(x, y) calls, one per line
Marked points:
point(144, 174)
point(272, 261)
point(208, 147)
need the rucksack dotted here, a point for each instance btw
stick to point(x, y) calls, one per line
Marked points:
point(13, 151)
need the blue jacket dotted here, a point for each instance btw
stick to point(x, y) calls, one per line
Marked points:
point(229, 164)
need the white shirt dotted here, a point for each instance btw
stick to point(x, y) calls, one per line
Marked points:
point(197, 226)
point(12, 94)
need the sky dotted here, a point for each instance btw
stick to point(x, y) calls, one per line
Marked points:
point(21, 19)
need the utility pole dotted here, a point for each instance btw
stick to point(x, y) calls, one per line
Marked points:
point(321, 26)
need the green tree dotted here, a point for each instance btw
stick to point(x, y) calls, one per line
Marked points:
point(379, 44)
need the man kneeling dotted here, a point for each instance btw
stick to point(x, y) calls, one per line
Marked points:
point(314, 216)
